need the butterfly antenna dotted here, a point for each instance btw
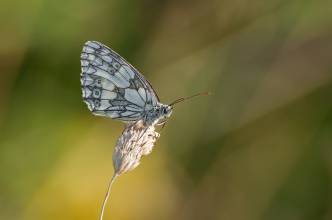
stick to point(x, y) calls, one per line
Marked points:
point(107, 195)
point(190, 97)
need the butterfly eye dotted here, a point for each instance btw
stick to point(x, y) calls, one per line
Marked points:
point(165, 111)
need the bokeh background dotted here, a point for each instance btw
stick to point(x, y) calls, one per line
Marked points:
point(259, 148)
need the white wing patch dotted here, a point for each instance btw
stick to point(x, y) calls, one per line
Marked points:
point(108, 95)
point(102, 74)
point(142, 93)
point(119, 80)
point(133, 96)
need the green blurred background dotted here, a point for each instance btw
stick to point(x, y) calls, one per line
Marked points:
point(259, 148)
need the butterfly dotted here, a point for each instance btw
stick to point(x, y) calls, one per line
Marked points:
point(113, 88)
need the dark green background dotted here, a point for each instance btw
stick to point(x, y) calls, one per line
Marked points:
point(259, 148)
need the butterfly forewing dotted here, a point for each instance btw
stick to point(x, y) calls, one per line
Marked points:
point(111, 86)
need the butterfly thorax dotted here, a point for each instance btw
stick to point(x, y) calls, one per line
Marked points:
point(155, 115)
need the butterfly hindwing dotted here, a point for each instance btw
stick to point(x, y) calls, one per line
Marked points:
point(111, 86)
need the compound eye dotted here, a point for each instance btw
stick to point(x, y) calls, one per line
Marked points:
point(165, 111)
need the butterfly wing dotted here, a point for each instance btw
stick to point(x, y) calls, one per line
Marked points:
point(112, 87)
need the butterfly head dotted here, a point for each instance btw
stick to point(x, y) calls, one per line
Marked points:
point(165, 111)
point(162, 112)
point(159, 114)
